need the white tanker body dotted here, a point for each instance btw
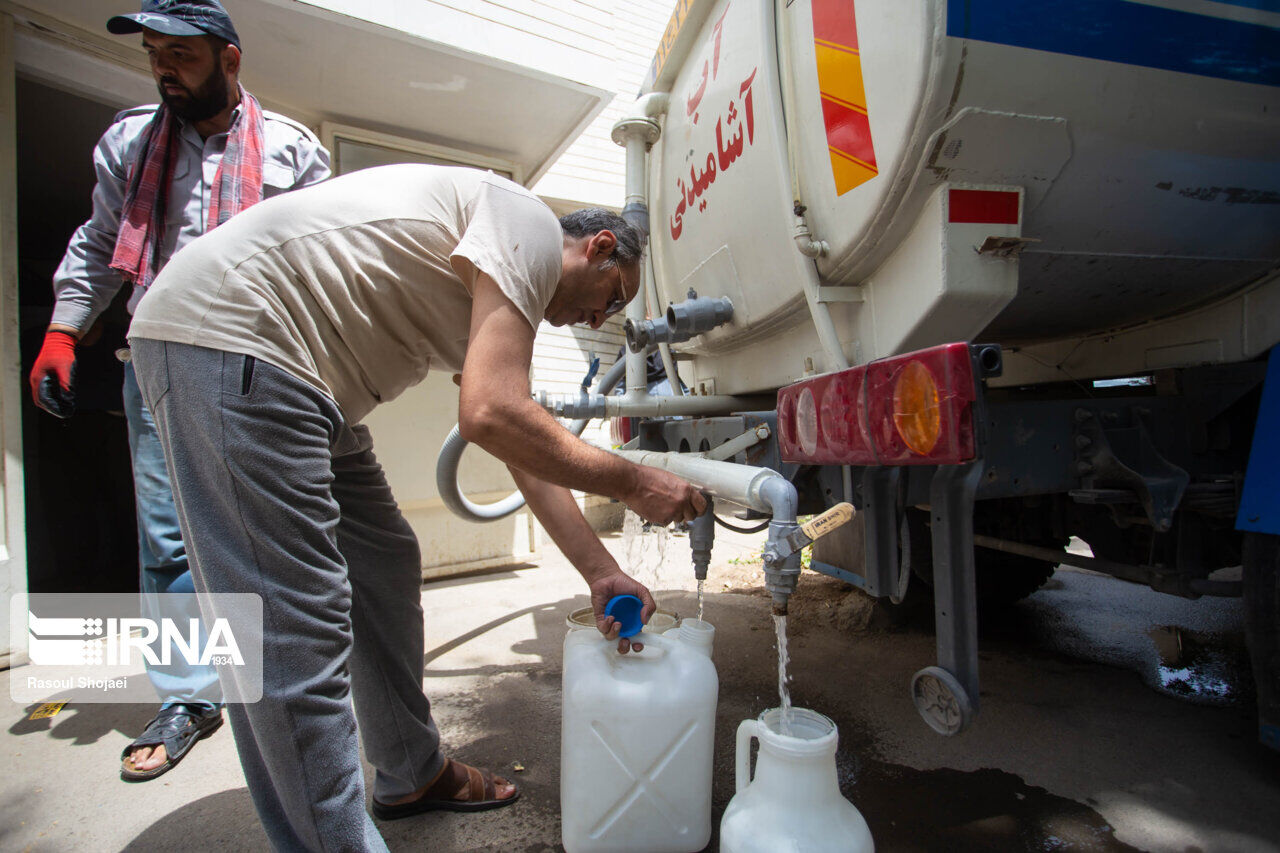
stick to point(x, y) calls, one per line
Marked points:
point(874, 185)
point(1135, 149)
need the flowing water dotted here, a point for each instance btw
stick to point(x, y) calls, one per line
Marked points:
point(700, 583)
point(784, 693)
point(645, 550)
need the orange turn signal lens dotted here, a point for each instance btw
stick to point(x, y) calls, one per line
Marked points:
point(915, 408)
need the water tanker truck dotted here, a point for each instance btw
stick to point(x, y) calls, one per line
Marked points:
point(998, 274)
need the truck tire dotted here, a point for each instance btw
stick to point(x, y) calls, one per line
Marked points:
point(1001, 578)
point(1005, 578)
point(1261, 562)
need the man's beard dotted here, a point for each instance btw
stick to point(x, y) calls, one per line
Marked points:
point(208, 99)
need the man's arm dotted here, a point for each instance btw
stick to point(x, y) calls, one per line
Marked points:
point(558, 513)
point(497, 413)
point(84, 284)
point(312, 161)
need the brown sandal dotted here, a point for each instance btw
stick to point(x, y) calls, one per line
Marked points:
point(481, 795)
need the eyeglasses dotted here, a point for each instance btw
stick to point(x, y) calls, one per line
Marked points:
point(619, 300)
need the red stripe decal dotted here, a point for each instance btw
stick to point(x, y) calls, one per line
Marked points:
point(833, 21)
point(849, 131)
point(993, 207)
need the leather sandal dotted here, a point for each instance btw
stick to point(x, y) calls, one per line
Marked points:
point(442, 794)
point(176, 728)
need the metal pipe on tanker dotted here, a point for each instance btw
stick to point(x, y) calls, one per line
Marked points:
point(585, 405)
point(637, 373)
point(636, 132)
point(654, 106)
point(761, 489)
point(726, 481)
point(655, 308)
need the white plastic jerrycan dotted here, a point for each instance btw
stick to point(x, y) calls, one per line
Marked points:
point(794, 801)
point(636, 742)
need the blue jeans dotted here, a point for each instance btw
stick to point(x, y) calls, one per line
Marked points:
point(161, 556)
point(281, 497)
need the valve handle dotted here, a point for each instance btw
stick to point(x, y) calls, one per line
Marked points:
point(828, 521)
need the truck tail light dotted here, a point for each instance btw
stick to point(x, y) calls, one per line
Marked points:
point(621, 430)
point(912, 409)
point(915, 408)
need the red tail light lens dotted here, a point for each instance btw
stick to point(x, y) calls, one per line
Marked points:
point(913, 409)
point(621, 430)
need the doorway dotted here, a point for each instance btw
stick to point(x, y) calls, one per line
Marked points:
point(80, 526)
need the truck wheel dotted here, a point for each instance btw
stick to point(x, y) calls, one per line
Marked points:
point(1261, 559)
point(1001, 578)
point(1004, 578)
point(941, 701)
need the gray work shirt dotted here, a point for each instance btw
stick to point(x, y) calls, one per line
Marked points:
point(84, 284)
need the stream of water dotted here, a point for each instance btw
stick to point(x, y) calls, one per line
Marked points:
point(644, 548)
point(784, 692)
point(700, 583)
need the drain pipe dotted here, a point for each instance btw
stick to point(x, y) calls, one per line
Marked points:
point(655, 308)
point(761, 489)
point(653, 106)
point(636, 132)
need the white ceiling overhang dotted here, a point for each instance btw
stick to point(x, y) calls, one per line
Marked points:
point(320, 65)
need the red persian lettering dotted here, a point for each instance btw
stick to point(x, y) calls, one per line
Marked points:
point(717, 162)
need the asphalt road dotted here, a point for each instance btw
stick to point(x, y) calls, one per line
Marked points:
point(1089, 738)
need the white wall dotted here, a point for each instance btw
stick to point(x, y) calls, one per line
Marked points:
point(604, 43)
point(591, 171)
point(559, 37)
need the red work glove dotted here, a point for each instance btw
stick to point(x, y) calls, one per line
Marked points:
point(53, 374)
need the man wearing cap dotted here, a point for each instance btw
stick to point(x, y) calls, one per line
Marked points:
point(167, 173)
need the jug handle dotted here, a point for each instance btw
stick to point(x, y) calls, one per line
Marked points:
point(747, 730)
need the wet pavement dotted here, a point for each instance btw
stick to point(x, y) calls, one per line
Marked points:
point(1084, 740)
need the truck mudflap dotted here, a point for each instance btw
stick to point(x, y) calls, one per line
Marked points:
point(946, 695)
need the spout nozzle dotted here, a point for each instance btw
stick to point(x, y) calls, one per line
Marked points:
point(780, 604)
point(702, 536)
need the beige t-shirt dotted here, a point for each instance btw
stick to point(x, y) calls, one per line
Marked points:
point(360, 284)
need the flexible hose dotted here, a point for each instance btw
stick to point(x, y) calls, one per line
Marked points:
point(727, 526)
point(451, 455)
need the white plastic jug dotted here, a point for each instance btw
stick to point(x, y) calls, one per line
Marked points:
point(794, 801)
point(636, 742)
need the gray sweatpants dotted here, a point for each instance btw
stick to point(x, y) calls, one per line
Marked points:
point(277, 495)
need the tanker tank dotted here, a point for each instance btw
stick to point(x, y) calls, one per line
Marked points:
point(1096, 181)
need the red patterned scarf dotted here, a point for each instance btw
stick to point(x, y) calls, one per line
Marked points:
point(236, 186)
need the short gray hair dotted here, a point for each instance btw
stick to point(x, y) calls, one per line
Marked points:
point(590, 221)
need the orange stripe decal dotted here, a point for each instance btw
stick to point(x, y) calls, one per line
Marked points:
point(844, 97)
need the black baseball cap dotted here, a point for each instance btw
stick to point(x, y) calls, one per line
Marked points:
point(178, 18)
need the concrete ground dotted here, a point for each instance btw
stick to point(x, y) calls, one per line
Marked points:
point(1074, 749)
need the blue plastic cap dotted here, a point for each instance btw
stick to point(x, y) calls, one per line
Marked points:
point(626, 610)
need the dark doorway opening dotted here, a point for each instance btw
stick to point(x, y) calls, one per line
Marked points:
point(81, 531)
